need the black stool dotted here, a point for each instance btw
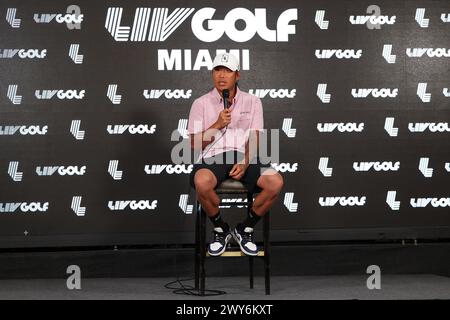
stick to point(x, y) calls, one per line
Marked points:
point(234, 187)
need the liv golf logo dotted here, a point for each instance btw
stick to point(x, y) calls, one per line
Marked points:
point(158, 24)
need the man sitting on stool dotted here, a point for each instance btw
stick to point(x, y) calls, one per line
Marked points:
point(224, 126)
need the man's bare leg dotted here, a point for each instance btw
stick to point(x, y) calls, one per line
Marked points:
point(271, 183)
point(205, 181)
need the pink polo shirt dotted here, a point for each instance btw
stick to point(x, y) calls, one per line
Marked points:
point(246, 115)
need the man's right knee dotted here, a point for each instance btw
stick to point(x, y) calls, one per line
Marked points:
point(204, 180)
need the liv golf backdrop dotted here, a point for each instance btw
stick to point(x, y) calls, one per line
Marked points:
point(91, 92)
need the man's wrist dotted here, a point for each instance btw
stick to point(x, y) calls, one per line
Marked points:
point(244, 162)
point(216, 126)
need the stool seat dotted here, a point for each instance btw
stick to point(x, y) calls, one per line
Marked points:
point(231, 186)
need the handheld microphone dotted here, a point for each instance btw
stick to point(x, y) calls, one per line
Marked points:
point(225, 95)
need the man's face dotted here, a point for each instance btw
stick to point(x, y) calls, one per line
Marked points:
point(224, 78)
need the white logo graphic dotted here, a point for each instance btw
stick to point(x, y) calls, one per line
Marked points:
point(183, 204)
point(445, 17)
point(447, 166)
point(390, 200)
point(11, 18)
point(24, 206)
point(77, 208)
point(60, 94)
point(446, 92)
point(319, 19)
point(430, 52)
point(374, 20)
point(73, 54)
point(23, 130)
point(132, 204)
point(375, 92)
point(376, 165)
point(23, 53)
point(12, 94)
point(13, 171)
point(387, 50)
point(112, 90)
point(389, 127)
point(182, 128)
point(421, 92)
point(112, 169)
point(273, 93)
point(321, 93)
point(62, 171)
point(341, 127)
point(169, 168)
point(420, 18)
point(339, 53)
point(174, 60)
point(131, 128)
point(423, 167)
point(435, 202)
point(254, 23)
point(168, 93)
point(287, 128)
point(75, 130)
point(159, 28)
point(323, 167)
point(289, 202)
point(343, 201)
point(285, 167)
point(233, 200)
point(60, 18)
point(432, 126)
point(162, 25)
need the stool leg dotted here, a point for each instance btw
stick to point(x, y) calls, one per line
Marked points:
point(266, 231)
point(249, 202)
point(202, 250)
point(197, 245)
point(250, 263)
point(250, 259)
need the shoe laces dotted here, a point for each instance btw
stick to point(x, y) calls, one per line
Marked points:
point(247, 236)
point(219, 236)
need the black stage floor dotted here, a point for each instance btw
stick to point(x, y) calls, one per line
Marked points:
point(424, 286)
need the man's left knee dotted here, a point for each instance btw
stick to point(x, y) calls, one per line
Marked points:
point(273, 183)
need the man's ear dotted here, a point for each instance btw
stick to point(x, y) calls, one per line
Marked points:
point(238, 75)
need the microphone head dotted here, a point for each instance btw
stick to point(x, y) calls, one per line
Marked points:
point(225, 93)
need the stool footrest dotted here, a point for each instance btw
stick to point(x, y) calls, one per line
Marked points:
point(236, 254)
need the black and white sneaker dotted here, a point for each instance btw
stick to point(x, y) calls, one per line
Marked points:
point(245, 239)
point(219, 244)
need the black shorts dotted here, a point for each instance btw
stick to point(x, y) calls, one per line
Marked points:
point(222, 169)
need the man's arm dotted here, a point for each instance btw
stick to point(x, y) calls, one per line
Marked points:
point(252, 144)
point(251, 147)
point(200, 140)
point(251, 150)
